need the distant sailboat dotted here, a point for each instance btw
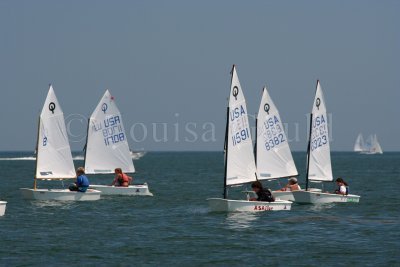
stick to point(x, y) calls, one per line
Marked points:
point(359, 146)
point(372, 146)
point(53, 157)
point(107, 148)
point(137, 154)
point(240, 165)
point(319, 168)
point(376, 148)
point(273, 156)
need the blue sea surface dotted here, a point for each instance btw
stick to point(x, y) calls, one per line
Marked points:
point(175, 227)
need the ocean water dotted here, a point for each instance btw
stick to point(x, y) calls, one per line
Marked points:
point(175, 227)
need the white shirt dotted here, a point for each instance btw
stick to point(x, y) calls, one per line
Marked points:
point(342, 189)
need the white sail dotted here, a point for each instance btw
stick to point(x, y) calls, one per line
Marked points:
point(359, 145)
point(320, 168)
point(369, 143)
point(54, 159)
point(107, 146)
point(274, 159)
point(240, 162)
point(375, 147)
point(378, 146)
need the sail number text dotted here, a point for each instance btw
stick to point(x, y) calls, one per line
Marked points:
point(273, 133)
point(319, 136)
point(239, 125)
point(111, 129)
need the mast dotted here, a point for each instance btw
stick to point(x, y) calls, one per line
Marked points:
point(226, 149)
point(309, 150)
point(226, 136)
point(255, 149)
point(37, 154)
point(309, 142)
point(255, 142)
point(85, 147)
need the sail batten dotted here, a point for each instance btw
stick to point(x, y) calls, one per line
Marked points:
point(54, 158)
point(107, 147)
point(274, 158)
point(320, 168)
point(240, 163)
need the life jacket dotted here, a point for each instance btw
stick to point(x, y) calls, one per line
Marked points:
point(265, 195)
point(123, 178)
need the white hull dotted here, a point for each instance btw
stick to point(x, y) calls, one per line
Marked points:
point(132, 190)
point(283, 195)
point(2, 207)
point(288, 195)
point(60, 194)
point(307, 197)
point(220, 204)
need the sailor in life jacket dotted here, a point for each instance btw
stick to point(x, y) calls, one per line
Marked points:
point(343, 187)
point(263, 194)
point(121, 179)
point(292, 185)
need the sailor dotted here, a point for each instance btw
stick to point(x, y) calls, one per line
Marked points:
point(343, 187)
point(292, 185)
point(121, 179)
point(262, 193)
point(82, 182)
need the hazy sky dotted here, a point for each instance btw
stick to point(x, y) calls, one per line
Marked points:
point(169, 62)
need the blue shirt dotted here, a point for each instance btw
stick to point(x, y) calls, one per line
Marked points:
point(82, 181)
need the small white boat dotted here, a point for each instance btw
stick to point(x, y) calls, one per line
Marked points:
point(319, 167)
point(306, 197)
point(53, 157)
point(3, 205)
point(107, 148)
point(60, 194)
point(273, 156)
point(240, 167)
point(131, 190)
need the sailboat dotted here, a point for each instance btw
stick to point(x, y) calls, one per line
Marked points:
point(319, 167)
point(137, 154)
point(372, 146)
point(273, 156)
point(107, 148)
point(240, 167)
point(359, 146)
point(53, 157)
point(3, 205)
